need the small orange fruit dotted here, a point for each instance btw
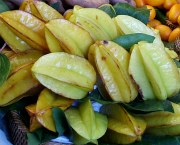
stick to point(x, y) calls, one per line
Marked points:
point(174, 12)
point(153, 23)
point(167, 14)
point(164, 31)
point(169, 3)
point(155, 2)
point(178, 20)
point(174, 34)
point(152, 12)
point(140, 3)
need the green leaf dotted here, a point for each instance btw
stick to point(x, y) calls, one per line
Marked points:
point(59, 120)
point(96, 96)
point(160, 15)
point(39, 136)
point(158, 140)
point(4, 68)
point(175, 99)
point(32, 139)
point(138, 106)
point(57, 5)
point(141, 14)
point(3, 6)
point(108, 9)
point(155, 140)
point(177, 63)
point(127, 41)
point(169, 44)
point(142, 107)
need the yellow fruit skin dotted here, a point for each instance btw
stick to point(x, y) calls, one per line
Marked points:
point(46, 101)
point(90, 127)
point(27, 27)
point(41, 10)
point(150, 66)
point(123, 128)
point(110, 61)
point(34, 124)
point(137, 71)
point(93, 20)
point(19, 60)
point(171, 53)
point(61, 72)
point(8, 52)
point(163, 123)
point(53, 43)
point(14, 42)
point(17, 86)
point(69, 36)
point(128, 25)
point(68, 14)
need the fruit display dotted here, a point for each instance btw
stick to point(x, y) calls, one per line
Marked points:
point(102, 72)
point(166, 21)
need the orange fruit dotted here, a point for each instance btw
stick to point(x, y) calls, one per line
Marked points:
point(152, 12)
point(174, 12)
point(178, 20)
point(164, 31)
point(153, 23)
point(167, 14)
point(140, 3)
point(154, 2)
point(169, 3)
point(174, 34)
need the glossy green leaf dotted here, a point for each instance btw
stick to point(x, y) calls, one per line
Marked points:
point(158, 140)
point(142, 107)
point(108, 9)
point(32, 139)
point(4, 68)
point(175, 99)
point(127, 41)
point(57, 5)
point(3, 6)
point(177, 63)
point(155, 140)
point(39, 136)
point(60, 120)
point(96, 96)
point(141, 14)
point(160, 15)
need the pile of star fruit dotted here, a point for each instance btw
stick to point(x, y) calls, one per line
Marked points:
point(61, 59)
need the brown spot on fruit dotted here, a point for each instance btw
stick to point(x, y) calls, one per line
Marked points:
point(103, 58)
point(96, 17)
point(105, 42)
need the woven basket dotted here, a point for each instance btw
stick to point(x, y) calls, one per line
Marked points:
point(18, 130)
